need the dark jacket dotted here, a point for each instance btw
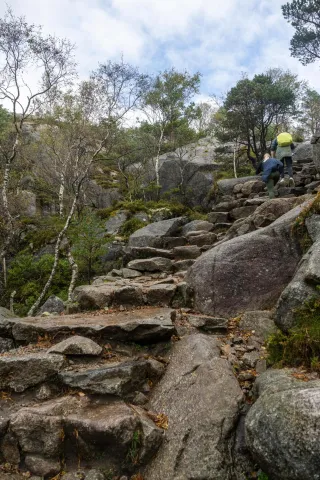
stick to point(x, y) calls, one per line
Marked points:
point(269, 166)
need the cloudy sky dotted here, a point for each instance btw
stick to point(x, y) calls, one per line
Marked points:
point(219, 38)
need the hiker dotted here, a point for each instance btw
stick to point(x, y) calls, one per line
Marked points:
point(271, 169)
point(282, 148)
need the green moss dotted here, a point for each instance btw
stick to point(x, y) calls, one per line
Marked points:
point(301, 346)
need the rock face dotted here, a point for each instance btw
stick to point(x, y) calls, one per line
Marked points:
point(113, 224)
point(282, 427)
point(197, 180)
point(303, 153)
point(153, 235)
point(201, 417)
point(303, 285)
point(264, 215)
point(247, 272)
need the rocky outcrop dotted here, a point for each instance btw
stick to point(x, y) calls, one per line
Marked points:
point(282, 427)
point(248, 272)
point(303, 285)
point(264, 214)
point(201, 419)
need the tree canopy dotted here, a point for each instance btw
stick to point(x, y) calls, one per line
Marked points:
point(304, 16)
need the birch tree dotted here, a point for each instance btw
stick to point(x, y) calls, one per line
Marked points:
point(167, 103)
point(89, 120)
point(32, 68)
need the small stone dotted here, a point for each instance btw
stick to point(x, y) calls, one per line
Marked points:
point(245, 376)
point(250, 359)
point(261, 366)
point(121, 308)
point(140, 399)
point(76, 345)
point(237, 340)
point(95, 475)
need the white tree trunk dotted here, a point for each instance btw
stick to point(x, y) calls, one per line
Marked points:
point(234, 161)
point(158, 158)
point(61, 194)
point(74, 276)
point(37, 303)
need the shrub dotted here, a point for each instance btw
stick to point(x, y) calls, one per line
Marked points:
point(131, 226)
point(27, 275)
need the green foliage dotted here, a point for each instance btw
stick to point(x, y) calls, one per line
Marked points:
point(46, 229)
point(174, 209)
point(301, 346)
point(263, 476)
point(310, 116)
point(131, 226)
point(88, 244)
point(304, 16)
point(134, 449)
point(253, 108)
point(27, 275)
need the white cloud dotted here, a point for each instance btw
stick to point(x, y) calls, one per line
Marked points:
point(220, 40)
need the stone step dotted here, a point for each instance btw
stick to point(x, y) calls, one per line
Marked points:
point(94, 431)
point(187, 252)
point(146, 325)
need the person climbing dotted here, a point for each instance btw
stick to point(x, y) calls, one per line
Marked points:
point(282, 148)
point(271, 169)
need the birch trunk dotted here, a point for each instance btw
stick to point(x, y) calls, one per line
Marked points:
point(37, 303)
point(234, 161)
point(75, 271)
point(158, 158)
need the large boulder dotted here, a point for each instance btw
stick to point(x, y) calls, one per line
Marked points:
point(115, 222)
point(248, 272)
point(303, 153)
point(197, 180)
point(54, 304)
point(226, 186)
point(201, 397)
point(264, 215)
point(74, 427)
point(153, 234)
point(282, 427)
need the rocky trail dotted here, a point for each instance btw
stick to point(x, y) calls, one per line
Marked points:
point(152, 371)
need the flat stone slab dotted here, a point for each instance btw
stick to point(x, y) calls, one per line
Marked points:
point(146, 325)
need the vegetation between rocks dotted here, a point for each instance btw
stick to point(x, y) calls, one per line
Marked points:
point(301, 346)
